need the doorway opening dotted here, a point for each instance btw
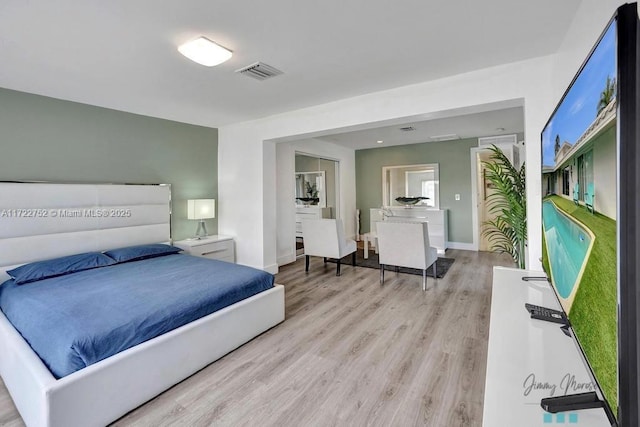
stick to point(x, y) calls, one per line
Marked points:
point(482, 189)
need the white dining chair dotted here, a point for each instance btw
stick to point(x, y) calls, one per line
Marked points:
point(406, 244)
point(376, 215)
point(325, 238)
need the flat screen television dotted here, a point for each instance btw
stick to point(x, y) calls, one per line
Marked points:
point(590, 214)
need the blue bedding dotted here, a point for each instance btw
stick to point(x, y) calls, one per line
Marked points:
point(75, 320)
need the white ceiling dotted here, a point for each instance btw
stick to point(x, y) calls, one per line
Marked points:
point(487, 123)
point(122, 54)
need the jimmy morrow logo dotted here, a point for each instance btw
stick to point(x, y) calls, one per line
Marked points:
point(567, 385)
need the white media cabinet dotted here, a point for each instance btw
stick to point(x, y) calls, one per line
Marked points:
point(521, 348)
point(437, 219)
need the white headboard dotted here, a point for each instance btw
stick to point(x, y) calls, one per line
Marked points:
point(45, 220)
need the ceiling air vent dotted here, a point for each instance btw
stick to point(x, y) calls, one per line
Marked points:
point(408, 129)
point(447, 137)
point(498, 140)
point(259, 71)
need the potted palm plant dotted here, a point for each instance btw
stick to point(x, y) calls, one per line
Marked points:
point(507, 232)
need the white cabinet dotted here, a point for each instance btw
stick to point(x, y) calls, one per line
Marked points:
point(309, 212)
point(437, 219)
point(522, 350)
point(212, 247)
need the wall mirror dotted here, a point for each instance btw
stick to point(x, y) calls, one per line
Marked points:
point(411, 185)
point(310, 189)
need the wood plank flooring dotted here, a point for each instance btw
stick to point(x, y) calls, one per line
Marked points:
point(350, 353)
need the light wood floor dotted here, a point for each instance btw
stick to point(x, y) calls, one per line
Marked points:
point(350, 353)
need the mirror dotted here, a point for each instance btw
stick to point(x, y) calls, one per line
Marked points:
point(310, 189)
point(323, 173)
point(411, 185)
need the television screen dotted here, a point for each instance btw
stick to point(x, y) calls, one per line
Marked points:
point(579, 210)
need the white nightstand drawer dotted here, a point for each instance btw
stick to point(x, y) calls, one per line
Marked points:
point(212, 247)
point(215, 250)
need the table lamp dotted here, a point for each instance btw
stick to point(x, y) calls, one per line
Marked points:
point(201, 209)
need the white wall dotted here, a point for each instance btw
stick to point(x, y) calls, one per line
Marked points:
point(285, 165)
point(269, 213)
point(242, 161)
point(604, 173)
point(285, 210)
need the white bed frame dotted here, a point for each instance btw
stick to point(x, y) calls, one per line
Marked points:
point(103, 392)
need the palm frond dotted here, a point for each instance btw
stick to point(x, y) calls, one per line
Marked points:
point(506, 233)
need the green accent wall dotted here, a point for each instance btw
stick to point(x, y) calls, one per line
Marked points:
point(454, 160)
point(48, 139)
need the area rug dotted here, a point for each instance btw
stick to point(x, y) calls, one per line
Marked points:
point(372, 262)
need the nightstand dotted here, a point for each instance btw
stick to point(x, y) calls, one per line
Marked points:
point(213, 247)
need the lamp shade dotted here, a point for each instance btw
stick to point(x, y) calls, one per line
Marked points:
point(201, 208)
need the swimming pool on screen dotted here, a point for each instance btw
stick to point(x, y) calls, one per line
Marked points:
point(567, 247)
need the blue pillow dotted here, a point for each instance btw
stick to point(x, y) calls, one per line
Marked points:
point(134, 253)
point(58, 266)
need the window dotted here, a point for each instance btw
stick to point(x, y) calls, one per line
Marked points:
point(565, 181)
point(429, 190)
point(585, 172)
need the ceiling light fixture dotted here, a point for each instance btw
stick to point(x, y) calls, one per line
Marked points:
point(500, 129)
point(205, 52)
point(379, 142)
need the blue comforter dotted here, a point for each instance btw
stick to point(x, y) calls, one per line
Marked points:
point(75, 320)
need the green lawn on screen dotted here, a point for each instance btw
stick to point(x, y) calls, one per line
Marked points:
point(593, 314)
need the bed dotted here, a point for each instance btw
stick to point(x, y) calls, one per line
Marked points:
point(42, 221)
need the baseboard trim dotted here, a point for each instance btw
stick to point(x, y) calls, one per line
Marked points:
point(273, 268)
point(286, 259)
point(462, 246)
